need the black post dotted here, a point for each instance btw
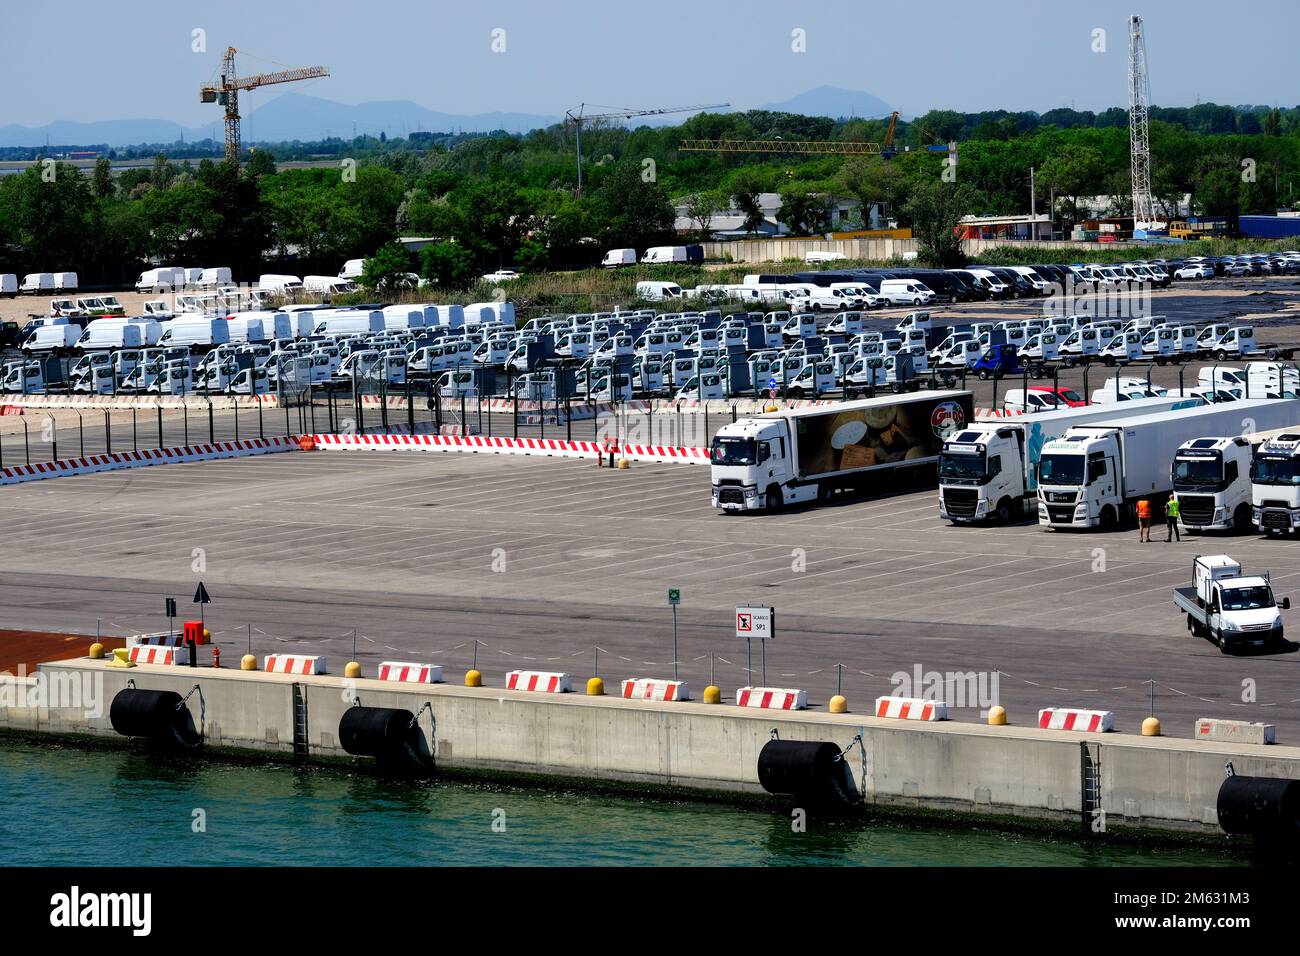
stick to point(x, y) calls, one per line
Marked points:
point(160, 424)
point(108, 432)
point(235, 406)
point(464, 429)
point(185, 417)
point(410, 408)
point(212, 423)
point(27, 448)
point(383, 401)
point(258, 401)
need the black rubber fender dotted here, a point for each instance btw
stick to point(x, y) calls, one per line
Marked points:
point(159, 716)
point(1260, 806)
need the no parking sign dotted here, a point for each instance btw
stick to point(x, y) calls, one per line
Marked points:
point(755, 622)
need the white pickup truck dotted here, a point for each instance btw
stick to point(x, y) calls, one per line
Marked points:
point(1231, 609)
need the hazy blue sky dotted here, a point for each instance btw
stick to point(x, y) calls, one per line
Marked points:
point(91, 60)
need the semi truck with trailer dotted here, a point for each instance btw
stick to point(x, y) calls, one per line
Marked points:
point(1275, 484)
point(1094, 475)
point(987, 471)
point(807, 455)
point(1231, 609)
point(1212, 480)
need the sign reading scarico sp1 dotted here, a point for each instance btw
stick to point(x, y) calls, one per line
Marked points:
point(756, 622)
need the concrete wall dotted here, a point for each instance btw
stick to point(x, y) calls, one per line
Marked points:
point(879, 250)
point(972, 768)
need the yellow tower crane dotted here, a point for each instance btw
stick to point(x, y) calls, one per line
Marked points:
point(227, 93)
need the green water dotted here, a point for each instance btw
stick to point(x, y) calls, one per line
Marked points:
point(73, 807)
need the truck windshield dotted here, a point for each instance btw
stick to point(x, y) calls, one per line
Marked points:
point(1276, 471)
point(1059, 469)
point(961, 467)
point(1247, 599)
point(1197, 471)
point(734, 451)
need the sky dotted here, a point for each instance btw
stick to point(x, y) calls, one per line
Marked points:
point(136, 60)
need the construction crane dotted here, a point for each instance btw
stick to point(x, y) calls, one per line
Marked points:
point(581, 116)
point(1139, 105)
point(227, 93)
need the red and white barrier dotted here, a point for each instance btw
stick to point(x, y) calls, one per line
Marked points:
point(651, 688)
point(772, 698)
point(1235, 731)
point(143, 401)
point(142, 459)
point(543, 682)
point(985, 414)
point(12, 410)
point(404, 673)
point(153, 654)
point(156, 640)
point(294, 664)
point(1070, 718)
point(911, 708)
point(549, 447)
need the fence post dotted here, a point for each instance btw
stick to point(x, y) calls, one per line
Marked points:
point(27, 448)
point(185, 418)
point(410, 409)
point(160, 423)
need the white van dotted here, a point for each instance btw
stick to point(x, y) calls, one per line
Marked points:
point(276, 326)
point(34, 283)
point(8, 284)
point(327, 285)
point(285, 285)
point(58, 339)
point(403, 317)
point(162, 279)
point(352, 269)
point(246, 327)
point(619, 257)
point(502, 312)
point(658, 291)
point(195, 332)
point(65, 282)
point(350, 322)
point(906, 292)
point(662, 254)
point(214, 276)
point(444, 316)
point(111, 333)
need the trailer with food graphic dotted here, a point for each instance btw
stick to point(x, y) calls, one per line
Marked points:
point(803, 455)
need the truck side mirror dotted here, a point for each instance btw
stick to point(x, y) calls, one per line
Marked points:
point(1286, 604)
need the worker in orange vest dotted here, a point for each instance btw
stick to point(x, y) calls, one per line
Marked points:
point(1144, 519)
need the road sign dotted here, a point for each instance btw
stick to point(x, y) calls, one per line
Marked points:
point(755, 622)
point(171, 607)
point(771, 383)
point(674, 596)
point(201, 595)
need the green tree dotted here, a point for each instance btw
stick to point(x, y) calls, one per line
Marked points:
point(102, 178)
point(872, 181)
point(936, 208)
point(805, 213)
point(702, 205)
point(386, 268)
point(448, 265)
point(1073, 172)
point(635, 212)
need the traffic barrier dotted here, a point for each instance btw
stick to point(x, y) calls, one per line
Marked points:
point(154, 654)
point(984, 414)
point(771, 698)
point(294, 664)
point(156, 640)
point(12, 410)
point(142, 459)
point(543, 682)
point(548, 447)
point(1235, 731)
point(1070, 718)
point(911, 708)
point(651, 688)
point(143, 401)
point(404, 673)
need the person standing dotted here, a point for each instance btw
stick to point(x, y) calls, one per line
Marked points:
point(1171, 520)
point(1144, 519)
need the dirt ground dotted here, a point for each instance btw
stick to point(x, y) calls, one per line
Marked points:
point(28, 648)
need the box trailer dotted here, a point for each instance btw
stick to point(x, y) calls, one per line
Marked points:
point(1094, 475)
point(804, 455)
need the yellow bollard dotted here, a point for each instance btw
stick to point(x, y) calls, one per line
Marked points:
point(595, 687)
point(351, 669)
point(121, 658)
point(1151, 727)
point(248, 663)
point(473, 679)
point(712, 694)
point(624, 463)
point(839, 705)
point(997, 716)
point(96, 651)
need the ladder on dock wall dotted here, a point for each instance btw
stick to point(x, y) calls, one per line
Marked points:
point(299, 721)
point(1090, 810)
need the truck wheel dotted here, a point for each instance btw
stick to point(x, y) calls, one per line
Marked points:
point(1004, 511)
point(950, 381)
point(1220, 356)
point(1037, 373)
point(1242, 519)
point(1110, 361)
point(1108, 518)
point(983, 375)
point(896, 388)
point(1222, 641)
point(774, 501)
point(824, 493)
point(850, 394)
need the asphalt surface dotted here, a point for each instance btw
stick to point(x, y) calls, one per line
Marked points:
point(542, 561)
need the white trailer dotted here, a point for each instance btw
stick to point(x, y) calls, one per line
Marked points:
point(1094, 475)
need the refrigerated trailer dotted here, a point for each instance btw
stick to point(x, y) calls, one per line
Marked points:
point(1094, 475)
point(803, 455)
point(986, 472)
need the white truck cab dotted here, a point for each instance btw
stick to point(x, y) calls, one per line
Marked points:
point(1231, 609)
point(1275, 484)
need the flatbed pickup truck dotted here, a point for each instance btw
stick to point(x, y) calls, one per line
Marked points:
point(1231, 609)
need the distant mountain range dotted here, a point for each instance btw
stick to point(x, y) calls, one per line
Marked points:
point(297, 116)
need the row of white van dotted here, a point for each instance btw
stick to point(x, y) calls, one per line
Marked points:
point(35, 283)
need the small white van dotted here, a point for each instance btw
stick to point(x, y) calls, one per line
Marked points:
point(906, 292)
point(65, 282)
point(286, 285)
point(163, 279)
point(58, 339)
point(34, 283)
point(195, 332)
point(352, 269)
point(621, 257)
point(658, 291)
point(350, 322)
point(8, 284)
point(246, 327)
point(328, 285)
point(214, 276)
point(112, 333)
point(664, 254)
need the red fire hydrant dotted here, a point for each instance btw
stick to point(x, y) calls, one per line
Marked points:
point(216, 656)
